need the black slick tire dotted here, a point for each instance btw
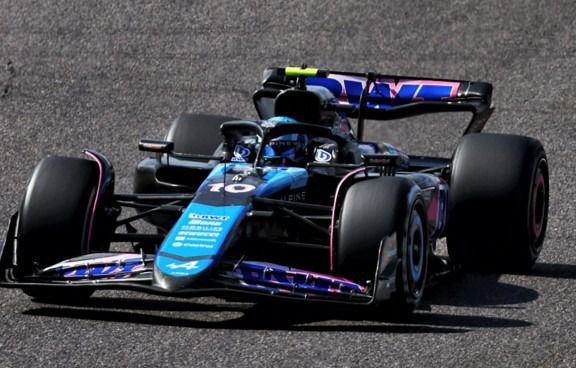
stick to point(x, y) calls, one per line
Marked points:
point(373, 210)
point(196, 133)
point(498, 202)
point(55, 218)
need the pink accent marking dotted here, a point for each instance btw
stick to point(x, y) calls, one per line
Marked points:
point(120, 257)
point(434, 207)
point(351, 173)
point(95, 206)
point(297, 271)
point(537, 226)
point(396, 87)
point(343, 98)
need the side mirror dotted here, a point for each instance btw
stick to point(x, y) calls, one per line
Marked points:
point(151, 145)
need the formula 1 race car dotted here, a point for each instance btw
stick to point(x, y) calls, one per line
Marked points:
point(292, 205)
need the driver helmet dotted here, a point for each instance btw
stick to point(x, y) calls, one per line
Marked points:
point(289, 148)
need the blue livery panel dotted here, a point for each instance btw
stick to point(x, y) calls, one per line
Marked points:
point(202, 234)
point(196, 240)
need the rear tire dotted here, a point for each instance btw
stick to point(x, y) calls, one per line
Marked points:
point(55, 219)
point(498, 202)
point(196, 133)
point(372, 211)
point(192, 134)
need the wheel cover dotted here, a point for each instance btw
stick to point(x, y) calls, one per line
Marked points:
point(416, 257)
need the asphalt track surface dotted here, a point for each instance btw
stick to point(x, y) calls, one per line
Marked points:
point(103, 74)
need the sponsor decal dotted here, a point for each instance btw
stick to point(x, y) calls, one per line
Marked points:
point(197, 245)
point(386, 92)
point(322, 155)
point(208, 217)
point(205, 223)
point(187, 228)
point(101, 271)
point(200, 232)
point(203, 228)
point(117, 266)
point(257, 273)
point(241, 153)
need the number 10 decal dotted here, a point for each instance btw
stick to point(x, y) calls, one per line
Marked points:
point(231, 188)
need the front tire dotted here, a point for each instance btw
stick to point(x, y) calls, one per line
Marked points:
point(56, 219)
point(372, 211)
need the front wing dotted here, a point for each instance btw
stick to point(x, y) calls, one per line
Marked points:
point(232, 276)
point(134, 271)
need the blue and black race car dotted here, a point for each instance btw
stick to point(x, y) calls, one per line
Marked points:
point(294, 204)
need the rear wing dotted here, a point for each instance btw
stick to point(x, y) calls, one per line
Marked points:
point(379, 96)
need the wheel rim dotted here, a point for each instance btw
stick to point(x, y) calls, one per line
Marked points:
point(538, 205)
point(416, 257)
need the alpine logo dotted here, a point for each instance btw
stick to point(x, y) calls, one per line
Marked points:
point(188, 266)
